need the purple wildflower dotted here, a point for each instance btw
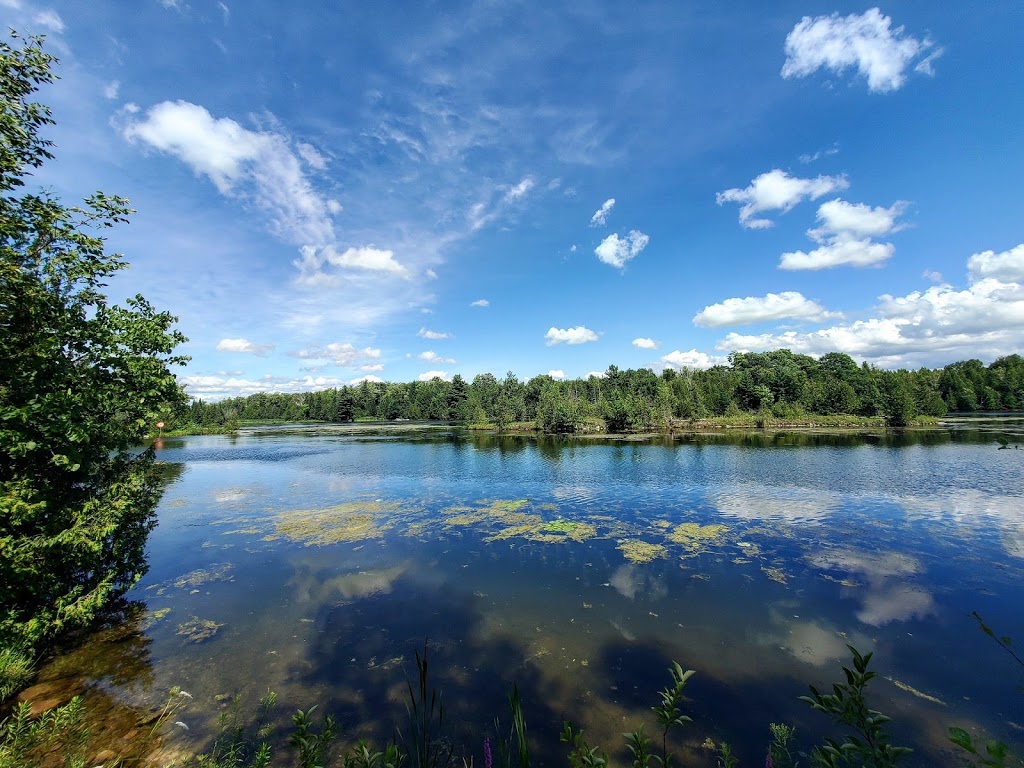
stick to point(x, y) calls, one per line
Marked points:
point(768, 761)
point(488, 760)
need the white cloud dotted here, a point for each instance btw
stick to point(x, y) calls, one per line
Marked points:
point(366, 258)
point(808, 158)
point(776, 190)
point(374, 368)
point(51, 20)
point(596, 375)
point(312, 157)
point(344, 355)
point(578, 335)
point(432, 357)
point(431, 375)
point(865, 41)
point(572, 248)
point(225, 11)
point(520, 190)
point(845, 236)
point(480, 303)
point(423, 333)
point(927, 328)
point(758, 309)
point(931, 274)
point(213, 388)
point(111, 89)
point(691, 359)
point(617, 252)
point(243, 345)
point(600, 217)
point(1008, 265)
point(556, 373)
point(369, 378)
point(855, 220)
point(646, 343)
point(259, 166)
point(837, 252)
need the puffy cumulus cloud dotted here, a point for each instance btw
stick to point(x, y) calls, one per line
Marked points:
point(923, 328)
point(344, 355)
point(423, 333)
point(213, 388)
point(365, 259)
point(257, 166)
point(932, 275)
point(480, 303)
point(866, 41)
point(600, 216)
point(776, 190)
point(841, 251)
point(369, 378)
point(372, 368)
point(431, 375)
point(556, 373)
point(432, 357)
point(578, 335)
point(243, 345)
point(856, 220)
point(617, 252)
point(691, 359)
point(643, 343)
point(112, 89)
point(759, 309)
point(845, 236)
point(1008, 265)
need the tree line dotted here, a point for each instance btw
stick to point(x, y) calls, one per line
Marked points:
point(778, 385)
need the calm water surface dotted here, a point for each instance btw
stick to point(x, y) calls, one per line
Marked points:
point(323, 558)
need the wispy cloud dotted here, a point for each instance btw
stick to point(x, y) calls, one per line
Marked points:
point(600, 216)
point(425, 333)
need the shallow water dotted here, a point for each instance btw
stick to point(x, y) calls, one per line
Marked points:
point(317, 561)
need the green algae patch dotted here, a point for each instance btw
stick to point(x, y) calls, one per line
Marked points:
point(348, 522)
point(696, 538)
point(197, 578)
point(506, 505)
point(638, 551)
point(197, 630)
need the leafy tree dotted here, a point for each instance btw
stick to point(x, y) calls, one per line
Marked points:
point(81, 383)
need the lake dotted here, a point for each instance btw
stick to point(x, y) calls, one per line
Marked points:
point(315, 561)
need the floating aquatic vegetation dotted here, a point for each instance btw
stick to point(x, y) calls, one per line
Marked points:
point(152, 617)
point(696, 538)
point(638, 551)
point(248, 531)
point(198, 630)
point(197, 578)
point(775, 574)
point(351, 521)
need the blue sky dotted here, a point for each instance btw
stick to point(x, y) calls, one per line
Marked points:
point(338, 190)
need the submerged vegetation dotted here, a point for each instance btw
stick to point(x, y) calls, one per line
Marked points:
point(753, 389)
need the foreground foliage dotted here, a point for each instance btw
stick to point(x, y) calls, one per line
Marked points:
point(754, 388)
point(81, 382)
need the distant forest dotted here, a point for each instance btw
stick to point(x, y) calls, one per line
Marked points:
point(769, 386)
